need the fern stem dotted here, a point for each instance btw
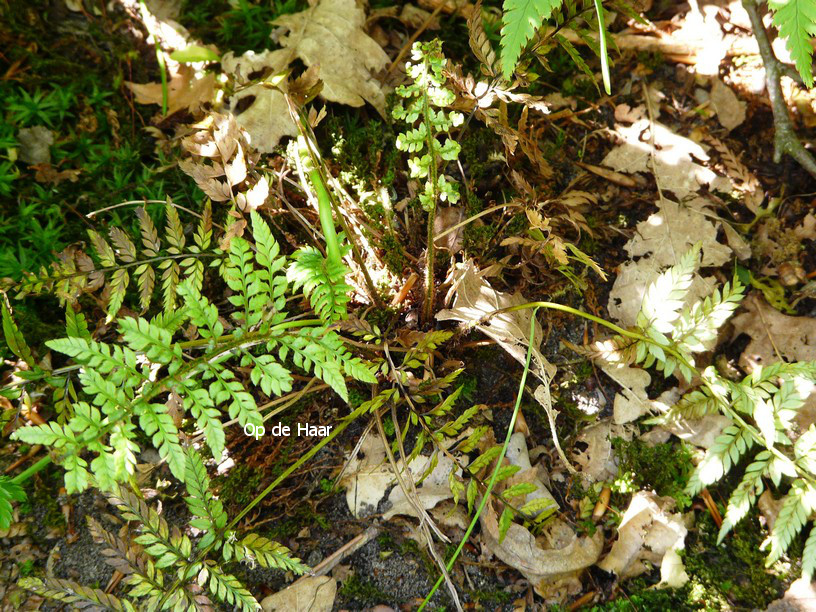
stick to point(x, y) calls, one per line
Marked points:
point(28, 473)
point(430, 253)
point(499, 460)
point(324, 208)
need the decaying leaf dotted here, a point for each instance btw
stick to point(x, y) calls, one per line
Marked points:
point(593, 450)
point(222, 163)
point(307, 594)
point(185, 90)
point(367, 477)
point(433, 489)
point(649, 534)
point(552, 562)
point(475, 299)
point(773, 335)
point(659, 242)
point(35, 145)
point(330, 35)
point(674, 156)
point(729, 108)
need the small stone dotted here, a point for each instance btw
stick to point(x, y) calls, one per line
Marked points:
point(35, 143)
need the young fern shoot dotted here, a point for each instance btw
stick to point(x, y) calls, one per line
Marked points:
point(425, 99)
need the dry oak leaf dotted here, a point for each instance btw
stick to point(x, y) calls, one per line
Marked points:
point(674, 155)
point(770, 330)
point(552, 562)
point(593, 453)
point(475, 299)
point(649, 534)
point(186, 90)
point(659, 242)
point(331, 35)
point(729, 108)
point(307, 594)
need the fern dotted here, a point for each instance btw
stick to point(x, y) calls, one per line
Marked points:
point(132, 382)
point(796, 20)
point(121, 261)
point(10, 492)
point(521, 19)
point(157, 548)
point(322, 282)
point(761, 408)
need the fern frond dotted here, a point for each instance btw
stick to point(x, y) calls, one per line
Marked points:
point(796, 507)
point(9, 492)
point(746, 493)
point(323, 283)
point(720, 458)
point(796, 20)
point(211, 518)
point(228, 588)
point(70, 592)
point(664, 297)
point(158, 424)
point(268, 554)
point(521, 19)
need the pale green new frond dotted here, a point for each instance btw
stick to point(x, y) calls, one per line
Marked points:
point(521, 19)
point(322, 282)
point(270, 554)
point(796, 20)
point(211, 518)
point(809, 555)
point(154, 341)
point(664, 297)
point(208, 419)
point(746, 493)
point(729, 446)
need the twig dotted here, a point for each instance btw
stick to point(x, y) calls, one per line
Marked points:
point(347, 549)
point(785, 139)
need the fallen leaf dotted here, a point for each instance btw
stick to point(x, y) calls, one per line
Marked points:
point(46, 173)
point(330, 35)
point(35, 145)
point(552, 564)
point(367, 477)
point(800, 597)
point(446, 218)
point(432, 490)
point(593, 450)
point(648, 534)
point(659, 242)
point(307, 594)
point(185, 90)
point(770, 330)
point(673, 158)
point(729, 108)
point(475, 299)
point(700, 432)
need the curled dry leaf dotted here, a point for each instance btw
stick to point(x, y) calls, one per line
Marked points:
point(222, 163)
point(475, 299)
point(185, 90)
point(593, 452)
point(307, 594)
point(552, 563)
point(649, 534)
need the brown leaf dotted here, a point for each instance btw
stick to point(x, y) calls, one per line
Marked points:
point(184, 91)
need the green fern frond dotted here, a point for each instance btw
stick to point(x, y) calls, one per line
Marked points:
point(664, 298)
point(796, 20)
point(269, 554)
point(10, 492)
point(521, 19)
point(324, 284)
point(796, 507)
point(211, 518)
point(228, 588)
point(746, 493)
point(729, 446)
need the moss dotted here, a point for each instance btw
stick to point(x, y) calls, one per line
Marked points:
point(42, 502)
point(358, 590)
point(735, 570)
point(663, 467)
point(302, 516)
point(393, 253)
point(639, 595)
point(239, 486)
point(364, 149)
point(497, 596)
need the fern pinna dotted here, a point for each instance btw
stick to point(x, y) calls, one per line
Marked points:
point(156, 261)
point(760, 408)
point(131, 385)
point(163, 568)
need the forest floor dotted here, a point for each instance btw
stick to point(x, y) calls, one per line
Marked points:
point(602, 172)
